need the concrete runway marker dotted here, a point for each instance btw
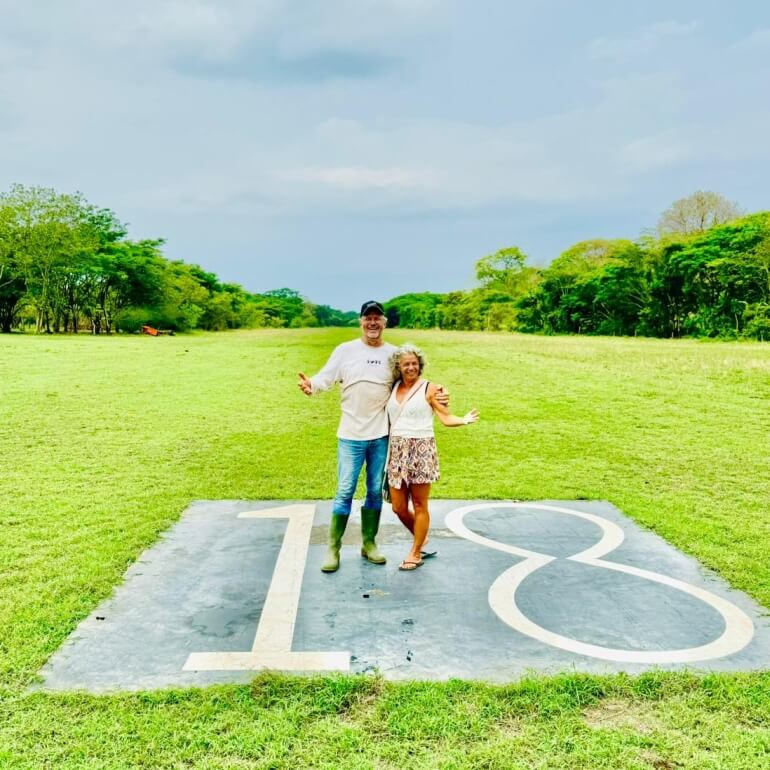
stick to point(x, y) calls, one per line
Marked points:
point(235, 587)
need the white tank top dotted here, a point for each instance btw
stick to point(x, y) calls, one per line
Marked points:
point(416, 418)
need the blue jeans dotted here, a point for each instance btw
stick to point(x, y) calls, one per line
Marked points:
point(351, 456)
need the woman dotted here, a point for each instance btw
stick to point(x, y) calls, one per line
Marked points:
point(413, 459)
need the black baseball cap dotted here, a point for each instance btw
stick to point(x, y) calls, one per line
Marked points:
point(367, 307)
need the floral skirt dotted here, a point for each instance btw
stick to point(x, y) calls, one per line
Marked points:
point(412, 461)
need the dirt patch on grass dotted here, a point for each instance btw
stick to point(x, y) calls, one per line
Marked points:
point(618, 714)
point(660, 763)
point(510, 727)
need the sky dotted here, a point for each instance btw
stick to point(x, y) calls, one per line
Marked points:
point(361, 149)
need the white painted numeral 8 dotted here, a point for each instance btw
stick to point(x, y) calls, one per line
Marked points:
point(737, 633)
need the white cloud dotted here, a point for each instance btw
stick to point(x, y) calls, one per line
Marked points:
point(644, 41)
point(360, 178)
point(758, 40)
point(653, 153)
point(217, 31)
point(360, 24)
point(206, 28)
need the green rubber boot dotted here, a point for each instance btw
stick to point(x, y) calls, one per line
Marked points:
point(370, 523)
point(336, 531)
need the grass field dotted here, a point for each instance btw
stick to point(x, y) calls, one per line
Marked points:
point(104, 441)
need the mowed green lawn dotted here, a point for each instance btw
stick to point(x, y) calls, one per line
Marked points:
point(105, 441)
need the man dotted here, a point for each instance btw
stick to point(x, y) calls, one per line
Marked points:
point(362, 367)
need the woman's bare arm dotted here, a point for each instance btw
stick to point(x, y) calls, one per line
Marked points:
point(442, 411)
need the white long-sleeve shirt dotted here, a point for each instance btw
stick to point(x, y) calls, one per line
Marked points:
point(366, 378)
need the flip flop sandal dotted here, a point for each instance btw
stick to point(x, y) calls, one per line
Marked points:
point(428, 554)
point(409, 566)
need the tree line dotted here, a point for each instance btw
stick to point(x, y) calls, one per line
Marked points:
point(704, 272)
point(68, 266)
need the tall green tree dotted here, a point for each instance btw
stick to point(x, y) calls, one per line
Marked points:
point(12, 291)
point(13, 287)
point(507, 273)
point(596, 286)
point(48, 235)
point(719, 273)
point(414, 310)
point(130, 285)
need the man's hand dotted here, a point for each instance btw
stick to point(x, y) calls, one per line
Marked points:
point(442, 395)
point(305, 385)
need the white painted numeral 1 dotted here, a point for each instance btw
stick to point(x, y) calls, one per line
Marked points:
point(275, 631)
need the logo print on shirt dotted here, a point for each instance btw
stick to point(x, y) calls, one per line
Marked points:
point(373, 361)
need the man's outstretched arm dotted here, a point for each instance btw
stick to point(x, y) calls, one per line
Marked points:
point(324, 379)
point(305, 385)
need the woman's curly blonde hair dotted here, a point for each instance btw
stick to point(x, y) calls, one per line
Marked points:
point(406, 348)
